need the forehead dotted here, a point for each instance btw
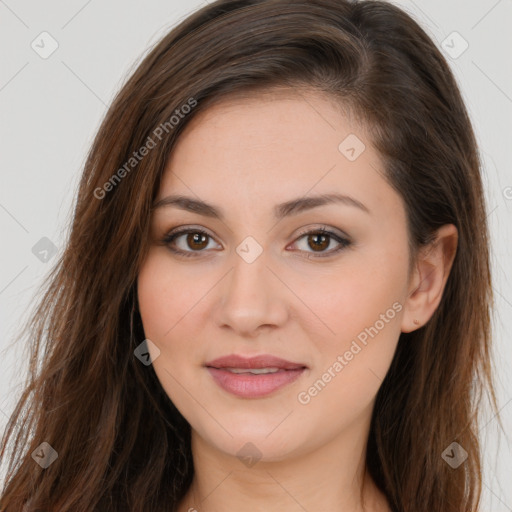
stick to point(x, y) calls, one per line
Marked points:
point(250, 117)
point(269, 147)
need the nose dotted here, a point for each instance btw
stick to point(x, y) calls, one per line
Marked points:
point(252, 298)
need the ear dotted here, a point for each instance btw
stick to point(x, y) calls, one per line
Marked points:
point(428, 279)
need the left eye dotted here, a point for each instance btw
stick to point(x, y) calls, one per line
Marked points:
point(321, 240)
point(197, 240)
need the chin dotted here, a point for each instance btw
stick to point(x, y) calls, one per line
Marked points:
point(255, 445)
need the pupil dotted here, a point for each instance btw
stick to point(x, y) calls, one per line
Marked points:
point(196, 239)
point(323, 246)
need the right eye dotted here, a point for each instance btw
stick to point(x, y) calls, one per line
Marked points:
point(196, 240)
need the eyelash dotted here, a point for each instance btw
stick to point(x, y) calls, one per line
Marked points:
point(170, 237)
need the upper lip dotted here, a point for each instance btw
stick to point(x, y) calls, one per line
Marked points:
point(259, 361)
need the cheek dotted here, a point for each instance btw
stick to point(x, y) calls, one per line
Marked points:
point(166, 303)
point(166, 297)
point(153, 297)
point(351, 365)
point(365, 289)
point(361, 308)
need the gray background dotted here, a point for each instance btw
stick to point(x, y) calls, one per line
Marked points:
point(51, 108)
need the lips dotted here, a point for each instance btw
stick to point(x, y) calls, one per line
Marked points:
point(256, 362)
point(254, 377)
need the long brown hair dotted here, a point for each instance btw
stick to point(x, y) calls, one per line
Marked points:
point(121, 443)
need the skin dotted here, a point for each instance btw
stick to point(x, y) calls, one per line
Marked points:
point(245, 156)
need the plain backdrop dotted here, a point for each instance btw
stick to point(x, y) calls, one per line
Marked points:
point(51, 106)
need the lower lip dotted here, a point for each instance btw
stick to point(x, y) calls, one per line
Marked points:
point(250, 385)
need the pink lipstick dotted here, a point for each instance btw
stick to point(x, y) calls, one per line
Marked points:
point(253, 377)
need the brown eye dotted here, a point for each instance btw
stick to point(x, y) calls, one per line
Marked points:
point(187, 242)
point(318, 241)
point(197, 240)
point(193, 242)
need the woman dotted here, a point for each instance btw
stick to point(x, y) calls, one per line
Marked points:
point(276, 290)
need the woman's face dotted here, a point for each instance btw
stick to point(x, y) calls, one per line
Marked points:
point(258, 284)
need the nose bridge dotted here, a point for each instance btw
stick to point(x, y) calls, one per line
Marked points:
point(249, 278)
point(251, 296)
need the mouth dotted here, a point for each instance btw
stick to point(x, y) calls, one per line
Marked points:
point(261, 361)
point(253, 377)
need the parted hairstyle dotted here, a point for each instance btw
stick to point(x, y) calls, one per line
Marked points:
point(121, 443)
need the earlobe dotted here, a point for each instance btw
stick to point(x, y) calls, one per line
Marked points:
point(431, 271)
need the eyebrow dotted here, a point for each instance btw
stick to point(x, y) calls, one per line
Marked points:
point(292, 207)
